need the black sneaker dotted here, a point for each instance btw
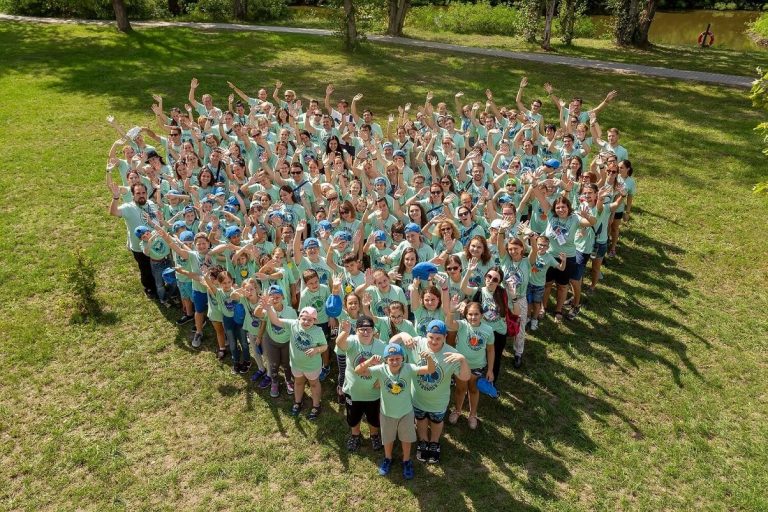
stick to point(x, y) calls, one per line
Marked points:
point(376, 443)
point(235, 368)
point(242, 368)
point(421, 451)
point(185, 319)
point(434, 453)
point(518, 361)
point(353, 443)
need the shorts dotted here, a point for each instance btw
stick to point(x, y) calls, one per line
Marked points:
point(563, 277)
point(397, 428)
point(185, 289)
point(201, 301)
point(600, 250)
point(330, 340)
point(618, 215)
point(434, 417)
point(480, 372)
point(356, 410)
point(581, 265)
point(535, 293)
point(314, 375)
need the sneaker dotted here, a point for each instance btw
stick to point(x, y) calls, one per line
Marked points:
point(266, 381)
point(434, 453)
point(185, 319)
point(408, 472)
point(166, 303)
point(558, 317)
point(221, 353)
point(235, 369)
point(258, 375)
point(197, 340)
point(421, 451)
point(353, 443)
point(151, 295)
point(611, 254)
point(472, 422)
point(518, 361)
point(289, 387)
point(534, 324)
point(274, 389)
point(247, 365)
point(314, 412)
point(568, 301)
point(384, 466)
point(376, 443)
point(453, 417)
point(296, 408)
point(573, 313)
point(324, 371)
point(242, 368)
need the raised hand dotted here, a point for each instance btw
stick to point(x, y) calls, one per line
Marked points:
point(524, 82)
point(278, 84)
point(548, 87)
point(357, 97)
point(329, 90)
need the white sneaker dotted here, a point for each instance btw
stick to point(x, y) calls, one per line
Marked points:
point(534, 324)
point(197, 340)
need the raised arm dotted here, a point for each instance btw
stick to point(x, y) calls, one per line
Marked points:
point(519, 98)
point(608, 98)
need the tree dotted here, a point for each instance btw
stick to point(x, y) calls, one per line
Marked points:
point(545, 39)
point(529, 13)
point(396, 11)
point(121, 16)
point(570, 10)
point(240, 9)
point(632, 21)
point(759, 96)
point(349, 28)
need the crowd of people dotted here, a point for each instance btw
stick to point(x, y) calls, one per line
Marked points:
point(406, 251)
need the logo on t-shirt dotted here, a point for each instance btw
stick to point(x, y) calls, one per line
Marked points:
point(476, 342)
point(303, 341)
point(430, 381)
point(395, 385)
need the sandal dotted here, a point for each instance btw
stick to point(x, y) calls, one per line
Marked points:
point(573, 313)
point(314, 412)
point(472, 422)
point(221, 353)
point(541, 314)
point(558, 317)
point(296, 409)
point(454, 417)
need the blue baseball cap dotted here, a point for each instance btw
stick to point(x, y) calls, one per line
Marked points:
point(189, 209)
point(141, 230)
point(506, 198)
point(276, 214)
point(487, 388)
point(311, 242)
point(424, 270)
point(229, 208)
point(324, 225)
point(232, 231)
point(233, 201)
point(219, 191)
point(380, 181)
point(399, 153)
point(436, 327)
point(174, 192)
point(552, 163)
point(275, 290)
point(412, 227)
point(380, 236)
point(209, 227)
point(186, 236)
point(387, 145)
point(343, 235)
point(179, 224)
point(393, 349)
point(207, 200)
point(169, 276)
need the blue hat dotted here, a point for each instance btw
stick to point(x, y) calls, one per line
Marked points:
point(233, 201)
point(436, 327)
point(424, 270)
point(169, 276)
point(207, 200)
point(552, 163)
point(311, 242)
point(141, 230)
point(232, 231)
point(399, 153)
point(412, 227)
point(179, 224)
point(219, 191)
point(487, 388)
point(387, 145)
point(189, 209)
point(380, 181)
point(174, 192)
point(209, 227)
point(506, 198)
point(324, 225)
point(186, 236)
point(393, 349)
point(380, 236)
point(343, 235)
point(275, 290)
point(275, 213)
point(229, 208)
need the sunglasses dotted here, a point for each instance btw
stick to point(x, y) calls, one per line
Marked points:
point(493, 279)
point(435, 192)
point(452, 269)
point(463, 214)
point(296, 172)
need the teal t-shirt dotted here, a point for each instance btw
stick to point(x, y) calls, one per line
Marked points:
point(359, 387)
point(281, 335)
point(539, 269)
point(521, 270)
point(422, 316)
point(385, 330)
point(381, 301)
point(432, 391)
point(472, 342)
point(562, 235)
point(316, 300)
point(395, 389)
point(301, 340)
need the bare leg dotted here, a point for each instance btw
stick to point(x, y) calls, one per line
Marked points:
point(316, 390)
point(299, 388)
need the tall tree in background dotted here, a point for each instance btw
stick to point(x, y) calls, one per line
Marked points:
point(550, 15)
point(240, 9)
point(396, 11)
point(350, 37)
point(121, 16)
point(632, 21)
point(570, 10)
point(530, 11)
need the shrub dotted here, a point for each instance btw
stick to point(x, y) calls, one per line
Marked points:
point(88, 9)
point(480, 18)
point(81, 277)
point(759, 27)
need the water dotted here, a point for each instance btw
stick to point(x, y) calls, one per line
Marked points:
point(683, 28)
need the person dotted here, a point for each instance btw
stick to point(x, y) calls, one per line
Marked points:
point(432, 391)
point(396, 379)
point(518, 268)
point(627, 189)
point(276, 339)
point(541, 261)
point(315, 294)
point(474, 340)
point(135, 214)
point(153, 246)
point(307, 342)
point(361, 399)
point(220, 284)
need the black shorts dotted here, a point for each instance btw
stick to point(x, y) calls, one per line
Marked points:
point(563, 277)
point(618, 215)
point(356, 410)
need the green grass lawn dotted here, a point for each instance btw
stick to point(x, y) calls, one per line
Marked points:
point(654, 399)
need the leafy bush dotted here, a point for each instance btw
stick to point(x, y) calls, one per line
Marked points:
point(88, 9)
point(760, 27)
point(479, 18)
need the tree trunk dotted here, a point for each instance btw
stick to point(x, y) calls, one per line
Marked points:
point(545, 40)
point(350, 26)
point(568, 14)
point(240, 9)
point(397, 9)
point(644, 24)
point(633, 22)
point(174, 8)
point(530, 10)
point(121, 16)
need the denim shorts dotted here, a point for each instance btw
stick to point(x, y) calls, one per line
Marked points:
point(600, 250)
point(581, 265)
point(185, 289)
point(434, 417)
point(201, 301)
point(535, 293)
